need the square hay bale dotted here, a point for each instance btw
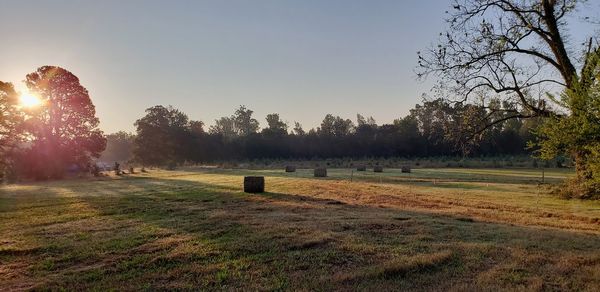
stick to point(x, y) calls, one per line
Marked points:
point(254, 184)
point(361, 168)
point(290, 168)
point(405, 169)
point(378, 168)
point(320, 172)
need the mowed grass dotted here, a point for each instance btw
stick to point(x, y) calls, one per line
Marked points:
point(446, 229)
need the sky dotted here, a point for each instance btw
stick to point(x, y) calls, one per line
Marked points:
point(302, 59)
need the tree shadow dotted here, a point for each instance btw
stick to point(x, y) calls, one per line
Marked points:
point(169, 233)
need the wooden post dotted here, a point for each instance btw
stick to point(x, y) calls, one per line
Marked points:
point(543, 175)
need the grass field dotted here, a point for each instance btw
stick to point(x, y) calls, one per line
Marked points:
point(433, 229)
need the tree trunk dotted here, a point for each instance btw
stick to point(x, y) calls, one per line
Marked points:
point(582, 186)
point(581, 170)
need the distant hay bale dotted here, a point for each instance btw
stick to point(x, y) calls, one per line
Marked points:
point(320, 172)
point(361, 168)
point(378, 168)
point(405, 169)
point(290, 168)
point(254, 184)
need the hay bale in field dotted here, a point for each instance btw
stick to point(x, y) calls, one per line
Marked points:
point(378, 168)
point(405, 169)
point(320, 172)
point(254, 184)
point(361, 168)
point(290, 168)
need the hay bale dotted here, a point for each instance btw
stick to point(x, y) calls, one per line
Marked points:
point(290, 168)
point(254, 184)
point(361, 168)
point(378, 168)
point(405, 169)
point(320, 172)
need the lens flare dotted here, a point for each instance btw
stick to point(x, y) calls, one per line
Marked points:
point(29, 100)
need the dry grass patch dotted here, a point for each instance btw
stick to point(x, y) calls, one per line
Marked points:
point(198, 230)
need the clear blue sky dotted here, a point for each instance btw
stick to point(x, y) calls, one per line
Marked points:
point(301, 59)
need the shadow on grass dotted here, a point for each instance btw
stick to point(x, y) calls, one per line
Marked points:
point(441, 179)
point(140, 233)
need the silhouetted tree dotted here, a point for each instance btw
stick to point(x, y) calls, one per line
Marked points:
point(515, 51)
point(224, 126)
point(162, 136)
point(298, 130)
point(244, 123)
point(10, 119)
point(275, 126)
point(64, 130)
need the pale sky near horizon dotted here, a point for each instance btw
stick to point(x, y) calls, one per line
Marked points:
point(301, 59)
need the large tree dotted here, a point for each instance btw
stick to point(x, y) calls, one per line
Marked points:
point(162, 136)
point(64, 129)
point(513, 51)
point(10, 119)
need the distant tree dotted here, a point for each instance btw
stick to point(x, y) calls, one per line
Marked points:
point(327, 126)
point(162, 136)
point(298, 130)
point(119, 147)
point(362, 121)
point(275, 126)
point(10, 119)
point(243, 121)
point(516, 51)
point(197, 127)
point(64, 129)
point(224, 126)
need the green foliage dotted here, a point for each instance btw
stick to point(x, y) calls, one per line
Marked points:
point(161, 136)
point(63, 133)
point(577, 133)
point(10, 119)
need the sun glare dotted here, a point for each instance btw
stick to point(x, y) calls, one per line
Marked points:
point(29, 100)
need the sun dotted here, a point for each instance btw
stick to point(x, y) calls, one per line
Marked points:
point(29, 100)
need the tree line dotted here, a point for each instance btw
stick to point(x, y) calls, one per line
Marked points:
point(167, 136)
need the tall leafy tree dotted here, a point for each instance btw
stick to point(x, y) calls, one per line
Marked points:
point(275, 126)
point(514, 51)
point(578, 133)
point(298, 130)
point(64, 129)
point(245, 124)
point(161, 136)
point(225, 126)
point(10, 119)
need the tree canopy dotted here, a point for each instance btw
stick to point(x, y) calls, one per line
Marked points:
point(63, 132)
point(513, 58)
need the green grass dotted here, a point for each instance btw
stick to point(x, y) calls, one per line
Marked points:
point(455, 229)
